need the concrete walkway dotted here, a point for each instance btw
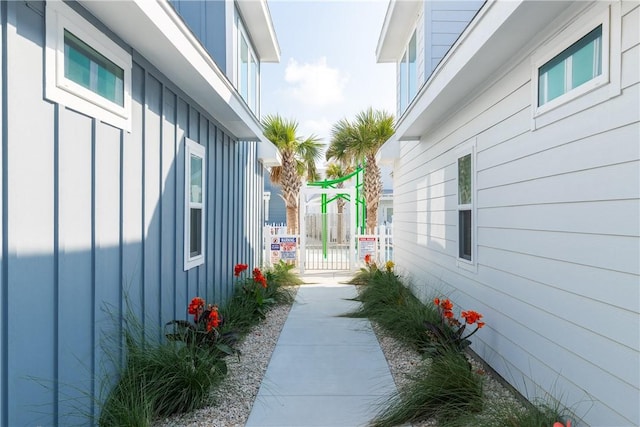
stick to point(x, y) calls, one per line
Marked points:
point(325, 370)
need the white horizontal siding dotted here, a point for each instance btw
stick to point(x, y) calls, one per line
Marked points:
point(611, 217)
point(558, 236)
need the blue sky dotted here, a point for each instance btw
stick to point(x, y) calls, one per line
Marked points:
point(328, 68)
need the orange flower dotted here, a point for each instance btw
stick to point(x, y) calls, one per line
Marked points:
point(480, 324)
point(448, 314)
point(471, 316)
point(259, 278)
point(436, 301)
point(239, 268)
point(214, 318)
point(196, 306)
point(447, 305)
point(367, 259)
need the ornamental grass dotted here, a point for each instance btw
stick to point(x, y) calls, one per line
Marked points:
point(177, 374)
point(160, 379)
point(387, 301)
point(444, 389)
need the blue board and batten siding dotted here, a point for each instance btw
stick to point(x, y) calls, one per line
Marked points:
point(92, 216)
point(207, 20)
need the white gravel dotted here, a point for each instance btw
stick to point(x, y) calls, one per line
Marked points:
point(232, 401)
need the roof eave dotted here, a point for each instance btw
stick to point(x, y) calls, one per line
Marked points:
point(155, 31)
point(257, 19)
point(395, 31)
point(480, 52)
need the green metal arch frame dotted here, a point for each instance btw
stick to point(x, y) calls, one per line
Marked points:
point(361, 208)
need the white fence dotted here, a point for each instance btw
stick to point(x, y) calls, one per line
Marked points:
point(278, 245)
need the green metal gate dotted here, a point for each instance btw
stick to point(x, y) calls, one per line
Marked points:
point(327, 239)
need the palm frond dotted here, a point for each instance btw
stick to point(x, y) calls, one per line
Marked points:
point(276, 175)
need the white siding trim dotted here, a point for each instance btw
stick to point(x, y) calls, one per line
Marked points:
point(193, 148)
point(66, 92)
point(597, 90)
point(466, 148)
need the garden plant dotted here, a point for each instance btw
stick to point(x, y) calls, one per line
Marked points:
point(161, 377)
point(446, 386)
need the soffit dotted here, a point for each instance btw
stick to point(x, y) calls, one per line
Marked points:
point(154, 30)
point(497, 34)
point(257, 20)
point(396, 29)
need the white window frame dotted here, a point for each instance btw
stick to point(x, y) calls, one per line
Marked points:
point(253, 82)
point(406, 89)
point(191, 147)
point(596, 90)
point(66, 92)
point(468, 148)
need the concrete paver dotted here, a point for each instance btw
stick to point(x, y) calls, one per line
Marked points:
point(326, 370)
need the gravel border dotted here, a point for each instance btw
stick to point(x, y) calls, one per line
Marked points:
point(232, 401)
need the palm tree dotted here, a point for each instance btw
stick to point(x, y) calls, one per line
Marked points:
point(335, 171)
point(299, 158)
point(359, 142)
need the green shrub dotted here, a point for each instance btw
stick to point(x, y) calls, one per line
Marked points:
point(281, 274)
point(387, 301)
point(166, 377)
point(160, 379)
point(253, 297)
point(446, 388)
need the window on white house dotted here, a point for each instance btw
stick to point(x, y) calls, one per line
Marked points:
point(465, 208)
point(578, 64)
point(248, 70)
point(408, 72)
point(194, 204)
point(85, 69)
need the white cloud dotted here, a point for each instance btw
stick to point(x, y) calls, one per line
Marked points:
point(316, 83)
point(319, 127)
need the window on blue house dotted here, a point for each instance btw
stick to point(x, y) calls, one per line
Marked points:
point(194, 204)
point(85, 69)
point(90, 69)
point(578, 64)
point(248, 74)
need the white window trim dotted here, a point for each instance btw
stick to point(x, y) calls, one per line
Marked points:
point(469, 265)
point(191, 147)
point(67, 92)
point(242, 33)
point(404, 59)
point(599, 89)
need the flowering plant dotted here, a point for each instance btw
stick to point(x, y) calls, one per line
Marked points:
point(239, 268)
point(368, 260)
point(256, 286)
point(449, 333)
point(204, 331)
point(389, 266)
point(211, 318)
point(371, 265)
